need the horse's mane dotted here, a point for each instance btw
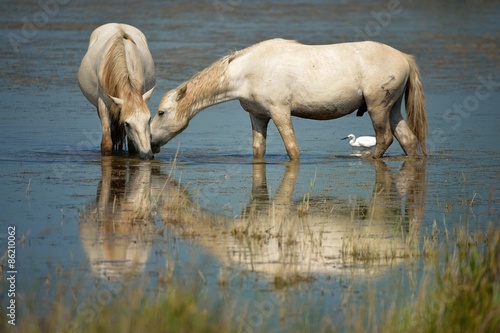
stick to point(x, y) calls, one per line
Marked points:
point(205, 86)
point(117, 79)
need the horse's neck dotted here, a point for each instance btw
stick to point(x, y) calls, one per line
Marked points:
point(216, 98)
point(207, 88)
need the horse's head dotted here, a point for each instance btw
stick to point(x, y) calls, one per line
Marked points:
point(170, 119)
point(136, 118)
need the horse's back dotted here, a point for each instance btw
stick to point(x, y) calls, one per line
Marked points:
point(312, 68)
point(107, 31)
point(289, 55)
point(99, 43)
point(316, 81)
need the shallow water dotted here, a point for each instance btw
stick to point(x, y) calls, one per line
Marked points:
point(55, 185)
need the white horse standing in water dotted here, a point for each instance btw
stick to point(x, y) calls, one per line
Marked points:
point(277, 79)
point(117, 75)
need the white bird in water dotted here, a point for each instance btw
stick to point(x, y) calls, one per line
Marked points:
point(362, 141)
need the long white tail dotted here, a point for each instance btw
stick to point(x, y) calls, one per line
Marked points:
point(415, 104)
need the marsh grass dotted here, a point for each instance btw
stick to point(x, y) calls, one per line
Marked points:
point(464, 294)
point(175, 311)
point(281, 281)
point(406, 242)
point(179, 309)
point(459, 292)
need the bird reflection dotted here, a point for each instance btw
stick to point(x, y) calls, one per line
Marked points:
point(117, 229)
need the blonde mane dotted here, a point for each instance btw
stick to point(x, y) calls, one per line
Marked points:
point(209, 86)
point(118, 81)
point(205, 87)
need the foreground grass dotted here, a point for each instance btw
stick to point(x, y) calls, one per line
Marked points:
point(464, 295)
point(177, 310)
point(460, 293)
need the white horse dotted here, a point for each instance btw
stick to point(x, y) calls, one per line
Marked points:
point(117, 75)
point(277, 79)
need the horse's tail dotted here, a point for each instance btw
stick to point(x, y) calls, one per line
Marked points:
point(415, 104)
point(127, 37)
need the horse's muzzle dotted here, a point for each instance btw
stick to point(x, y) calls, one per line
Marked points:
point(155, 149)
point(147, 156)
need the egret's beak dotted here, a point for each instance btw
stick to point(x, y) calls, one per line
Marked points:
point(345, 138)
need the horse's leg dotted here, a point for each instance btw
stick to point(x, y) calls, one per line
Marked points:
point(260, 194)
point(131, 147)
point(283, 121)
point(405, 137)
point(106, 141)
point(104, 190)
point(381, 125)
point(259, 133)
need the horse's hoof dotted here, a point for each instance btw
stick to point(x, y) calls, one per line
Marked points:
point(106, 152)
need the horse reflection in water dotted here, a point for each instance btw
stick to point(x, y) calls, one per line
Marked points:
point(116, 231)
point(273, 236)
point(280, 236)
point(328, 234)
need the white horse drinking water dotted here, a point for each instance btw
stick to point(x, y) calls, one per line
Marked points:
point(277, 79)
point(117, 75)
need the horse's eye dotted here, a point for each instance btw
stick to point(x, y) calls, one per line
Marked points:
point(161, 113)
point(127, 124)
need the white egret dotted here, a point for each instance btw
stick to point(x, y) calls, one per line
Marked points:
point(362, 141)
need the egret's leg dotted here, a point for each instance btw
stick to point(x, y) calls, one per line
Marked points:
point(106, 141)
point(259, 134)
point(405, 137)
point(282, 120)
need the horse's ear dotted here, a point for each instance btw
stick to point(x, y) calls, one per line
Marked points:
point(181, 92)
point(116, 100)
point(147, 94)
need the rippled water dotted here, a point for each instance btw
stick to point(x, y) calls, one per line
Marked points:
point(55, 185)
